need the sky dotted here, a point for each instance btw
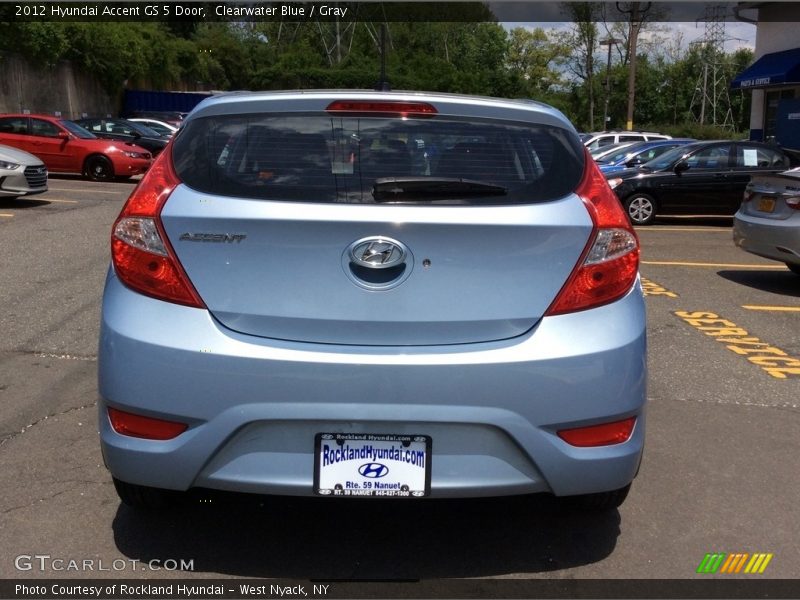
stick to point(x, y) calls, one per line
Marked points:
point(685, 19)
point(737, 34)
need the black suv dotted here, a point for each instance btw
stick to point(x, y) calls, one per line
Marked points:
point(699, 178)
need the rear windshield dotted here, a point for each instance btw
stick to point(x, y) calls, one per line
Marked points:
point(324, 158)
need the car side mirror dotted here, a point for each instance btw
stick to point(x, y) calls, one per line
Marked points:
point(64, 135)
point(681, 166)
point(634, 162)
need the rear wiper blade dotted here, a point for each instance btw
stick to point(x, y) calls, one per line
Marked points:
point(403, 189)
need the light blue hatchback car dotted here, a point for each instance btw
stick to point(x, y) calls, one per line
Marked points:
point(373, 294)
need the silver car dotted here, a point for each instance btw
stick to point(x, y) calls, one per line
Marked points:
point(371, 294)
point(21, 173)
point(768, 221)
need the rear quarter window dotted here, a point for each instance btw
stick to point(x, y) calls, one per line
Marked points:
point(320, 158)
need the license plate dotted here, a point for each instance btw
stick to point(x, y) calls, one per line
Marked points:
point(372, 465)
point(766, 204)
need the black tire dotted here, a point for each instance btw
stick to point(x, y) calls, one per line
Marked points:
point(794, 268)
point(99, 168)
point(640, 208)
point(142, 497)
point(600, 502)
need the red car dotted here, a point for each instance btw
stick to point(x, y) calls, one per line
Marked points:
point(65, 147)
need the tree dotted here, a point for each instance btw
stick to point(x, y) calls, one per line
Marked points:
point(582, 40)
point(534, 58)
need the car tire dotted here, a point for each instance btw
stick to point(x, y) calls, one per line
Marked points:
point(99, 168)
point(600, 502)
point(794, 268)
point(640, 208)
point(142, 497)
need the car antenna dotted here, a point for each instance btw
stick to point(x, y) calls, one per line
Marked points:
point(383, 84)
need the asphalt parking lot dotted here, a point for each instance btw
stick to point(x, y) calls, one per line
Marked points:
point(719, 472)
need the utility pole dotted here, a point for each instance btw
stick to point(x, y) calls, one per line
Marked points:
point(608, 42)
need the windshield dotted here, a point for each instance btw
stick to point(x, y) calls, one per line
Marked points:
point(668, 159)
point(143, 130)
point(621, 154)
point(77, 130)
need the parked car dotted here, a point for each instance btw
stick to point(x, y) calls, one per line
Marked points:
point(637, 154)
point(174, 118)
point(161, 127)
point(599, 154)
point(768, 221)
point(698, 178)
point(126, 131)
point(21, 173)
point(606, 138)
point(65, 147)
point(303, 303)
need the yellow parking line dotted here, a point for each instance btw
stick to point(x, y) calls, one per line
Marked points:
point(48, 199)
point(81, 191)
point(691, 229)
point(773, 308)
point(716, 265)
point(698, 216)
point(6, 215)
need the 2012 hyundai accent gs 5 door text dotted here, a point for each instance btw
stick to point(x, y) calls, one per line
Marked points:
point(373, 294)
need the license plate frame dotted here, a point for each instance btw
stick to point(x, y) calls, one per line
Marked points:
point(372, 465)
point(766, 204)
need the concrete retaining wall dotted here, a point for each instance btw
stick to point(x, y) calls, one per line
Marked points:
point(42, 90)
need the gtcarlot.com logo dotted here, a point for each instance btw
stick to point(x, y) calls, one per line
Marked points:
point(45, 562)
point(737, 562)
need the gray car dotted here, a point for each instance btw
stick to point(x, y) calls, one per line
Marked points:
point(21, 173)
point(768, 221)
point(371, 294)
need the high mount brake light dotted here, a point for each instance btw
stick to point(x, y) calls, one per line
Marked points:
point(140, 251)
point(384, 107)
point(610, 262)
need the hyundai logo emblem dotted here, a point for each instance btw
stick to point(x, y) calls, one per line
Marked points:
point(373, 470)
point(377, 252)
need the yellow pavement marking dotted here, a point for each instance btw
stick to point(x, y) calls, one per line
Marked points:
point(771, 359)
point(651, 288)
point(772, 308)
point(698, 216)
point(6, 215)
point(699, 264)
point(700, 229)
point(80, 191)
point(48, 199)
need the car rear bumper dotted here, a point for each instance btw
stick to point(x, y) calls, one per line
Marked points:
point(254, 405)
point(775, 239)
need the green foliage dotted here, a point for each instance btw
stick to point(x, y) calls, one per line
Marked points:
point(567, 69)
point(690, 129)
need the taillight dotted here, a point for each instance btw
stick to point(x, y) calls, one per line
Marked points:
point(382, 107)
point(142, 256)
point(125, 423)
point(606, 434)
point(608, 266)
point(793, 202)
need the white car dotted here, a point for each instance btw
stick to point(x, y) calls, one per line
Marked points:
point(161, 127)
point(599, 139)
point(21, 173)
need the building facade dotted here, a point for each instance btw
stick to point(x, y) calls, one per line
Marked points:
point(774, 77)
